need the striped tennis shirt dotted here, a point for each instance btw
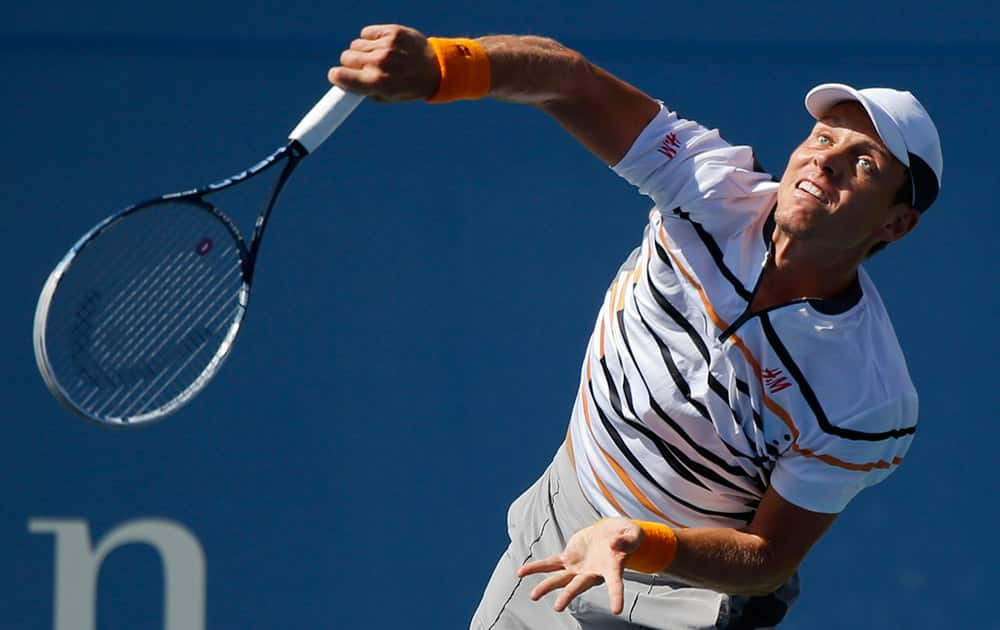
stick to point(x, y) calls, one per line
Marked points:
point(690, 406)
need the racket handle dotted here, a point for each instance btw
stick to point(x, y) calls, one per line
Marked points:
point(325, 116)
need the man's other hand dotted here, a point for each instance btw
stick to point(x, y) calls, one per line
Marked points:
point(593, 555)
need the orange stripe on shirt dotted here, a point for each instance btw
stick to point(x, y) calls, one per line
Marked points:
point(600, 484)
point(606, 492)
point(635, 490)
point(612, 293)
point(631, 485)
point(627, 281)
point(775, 408)
point(637, 273)
point(569, 445)
point(839, 463)
point(718, 321)
point(602, 349)
point(620, 296)
point(586, 415)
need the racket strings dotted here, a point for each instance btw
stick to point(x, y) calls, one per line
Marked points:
point(142, 327)
point(157, 357)
point(96, 341)
point(146, 311)
point(188, 333)
point(106, 338)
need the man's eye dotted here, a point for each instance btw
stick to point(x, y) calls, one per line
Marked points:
point(866, 164)
point(823, 139)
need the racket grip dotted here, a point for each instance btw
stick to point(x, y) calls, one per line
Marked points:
point(325, 116)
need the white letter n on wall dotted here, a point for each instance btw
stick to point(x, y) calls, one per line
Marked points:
point(77, 566)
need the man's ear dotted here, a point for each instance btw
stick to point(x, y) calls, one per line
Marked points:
point(902, 221)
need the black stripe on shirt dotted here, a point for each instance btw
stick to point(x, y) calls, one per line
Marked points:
point(620, 443)
point(813, 401)
point(678, 460)
point(706, 454)
point(685, 389)
point(663, 256)
point(744, 388)
point(679, 319)
point(716, 252)
point(657, 441)
point(663, 448)
point(676, 315)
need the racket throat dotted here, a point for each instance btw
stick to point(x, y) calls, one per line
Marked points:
point(258, 231)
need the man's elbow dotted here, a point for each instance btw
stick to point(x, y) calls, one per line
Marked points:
point(773, 572)
point(765, 587)
point(575, 83)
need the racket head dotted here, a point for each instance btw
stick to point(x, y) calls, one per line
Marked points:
point(142, 311)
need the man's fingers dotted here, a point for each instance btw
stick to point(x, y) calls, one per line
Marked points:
point(376, 31)
point(540, 566)
point(363, 45)
point(357, 59)
point(551, 583)
point(616, 591)
point(576, 586)
point(357, 81)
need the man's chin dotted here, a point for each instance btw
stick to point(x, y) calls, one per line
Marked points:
point(798, 219)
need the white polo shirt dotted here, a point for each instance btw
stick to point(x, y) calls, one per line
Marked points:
point(690, 407)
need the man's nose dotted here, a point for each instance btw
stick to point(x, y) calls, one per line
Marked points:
point(829, 161)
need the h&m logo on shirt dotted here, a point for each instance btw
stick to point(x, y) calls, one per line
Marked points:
point(775, 380)
point(669, 146)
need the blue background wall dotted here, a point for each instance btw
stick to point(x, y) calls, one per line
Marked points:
point(426, 292)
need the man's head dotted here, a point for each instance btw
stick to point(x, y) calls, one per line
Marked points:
point(870, 166)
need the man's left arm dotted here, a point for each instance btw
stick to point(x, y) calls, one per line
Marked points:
point(754, 560)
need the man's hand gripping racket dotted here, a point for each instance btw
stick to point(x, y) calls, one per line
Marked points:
point(142, 311)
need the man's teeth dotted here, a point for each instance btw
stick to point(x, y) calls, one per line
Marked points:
point(811, 188)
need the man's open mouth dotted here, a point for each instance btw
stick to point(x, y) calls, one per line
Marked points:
point(812, 189)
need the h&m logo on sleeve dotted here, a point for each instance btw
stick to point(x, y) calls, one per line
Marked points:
point(775, 380)
point(670, 145)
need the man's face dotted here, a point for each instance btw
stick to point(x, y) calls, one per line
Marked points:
point(840, 184)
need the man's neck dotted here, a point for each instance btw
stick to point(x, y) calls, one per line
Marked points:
point(797, 270)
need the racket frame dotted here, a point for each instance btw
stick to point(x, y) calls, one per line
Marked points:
point(314, 128)
point(291, 154)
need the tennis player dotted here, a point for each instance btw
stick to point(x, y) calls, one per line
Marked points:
point(743, 382)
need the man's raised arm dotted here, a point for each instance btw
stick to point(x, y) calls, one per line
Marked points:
point(605, 114)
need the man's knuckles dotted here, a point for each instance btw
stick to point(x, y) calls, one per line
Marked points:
point(379, 57)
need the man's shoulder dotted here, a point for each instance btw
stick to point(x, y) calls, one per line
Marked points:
point(677, 160)
point(853, 364)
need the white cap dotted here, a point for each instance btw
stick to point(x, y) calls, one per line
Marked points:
point(904, 126)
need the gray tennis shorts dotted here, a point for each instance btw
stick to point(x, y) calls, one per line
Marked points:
point(540, 522)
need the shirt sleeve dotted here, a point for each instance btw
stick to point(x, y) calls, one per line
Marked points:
point(826, 471)
point(680, 163)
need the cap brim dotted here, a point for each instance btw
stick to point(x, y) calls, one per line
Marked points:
point(823, 97)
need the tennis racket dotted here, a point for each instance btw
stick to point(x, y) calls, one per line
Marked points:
point(137, 318)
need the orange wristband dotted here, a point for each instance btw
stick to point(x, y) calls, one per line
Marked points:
point(657, 549)
point(465, 69)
